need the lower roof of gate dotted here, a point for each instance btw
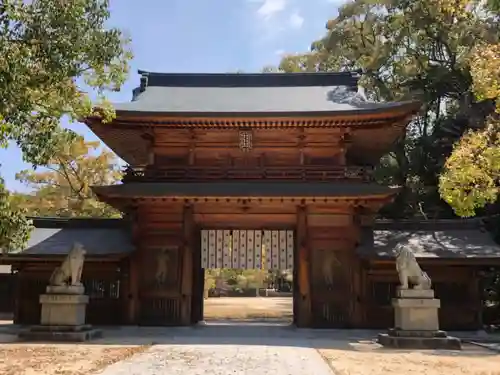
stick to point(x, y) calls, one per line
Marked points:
point(105, 237)
point(242, 189)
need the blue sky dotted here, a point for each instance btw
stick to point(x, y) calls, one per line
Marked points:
point(204, 36)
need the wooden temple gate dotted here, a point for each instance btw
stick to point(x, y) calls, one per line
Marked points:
point(258, 178)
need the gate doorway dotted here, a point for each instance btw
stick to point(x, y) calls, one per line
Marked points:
point(246, 275)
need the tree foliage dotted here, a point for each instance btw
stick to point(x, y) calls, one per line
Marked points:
point(62, 186)
point(421, 49)
point(15, 228)
point(472, 172)
point(51, 52)
point(471, 179)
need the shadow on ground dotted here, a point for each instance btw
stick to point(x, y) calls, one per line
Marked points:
point(228, 333)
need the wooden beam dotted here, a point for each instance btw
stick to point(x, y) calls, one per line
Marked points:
point(304, 303)
point(187, 265)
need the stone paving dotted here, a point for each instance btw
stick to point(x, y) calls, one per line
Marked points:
point(223, 360)
point(220, 350)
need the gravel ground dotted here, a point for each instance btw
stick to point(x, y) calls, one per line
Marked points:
point(223, 360)
point(257, 348)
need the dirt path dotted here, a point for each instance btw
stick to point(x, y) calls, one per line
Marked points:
point(249, 308)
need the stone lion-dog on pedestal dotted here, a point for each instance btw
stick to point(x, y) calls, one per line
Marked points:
point(69, 273)
point(409, 270)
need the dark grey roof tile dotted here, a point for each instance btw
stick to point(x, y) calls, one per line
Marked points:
point(286, 94)
point(243, 100)
point(96, 241)
point(448, 243)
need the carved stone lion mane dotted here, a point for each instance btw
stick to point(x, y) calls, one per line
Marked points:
point(409, 270)
point(70, 270)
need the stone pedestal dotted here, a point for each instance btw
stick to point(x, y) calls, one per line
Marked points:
point(63, 309)
point(62, 317)
point(417, 323)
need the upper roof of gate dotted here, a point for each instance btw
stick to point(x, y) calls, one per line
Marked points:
point(247, 100)
point(253, 94)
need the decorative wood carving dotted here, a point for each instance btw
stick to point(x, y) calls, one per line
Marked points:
point(330, 266)
point(246, 142)
point(163, 261)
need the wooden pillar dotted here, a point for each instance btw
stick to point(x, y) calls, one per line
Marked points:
point(17, 297)
point(133, 310)
point(304, 303)
point(357, 271)
point(187, 265)
point(133, 292)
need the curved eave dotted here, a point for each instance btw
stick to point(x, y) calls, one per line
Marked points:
point(382, 111)
point(248, 191)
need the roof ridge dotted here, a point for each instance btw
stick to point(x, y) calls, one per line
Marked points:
point(77, 222)
point(348, 78)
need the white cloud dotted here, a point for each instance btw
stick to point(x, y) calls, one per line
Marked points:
point(271, 18)
point(271, 7)
point(296, 20)
point(279, 52)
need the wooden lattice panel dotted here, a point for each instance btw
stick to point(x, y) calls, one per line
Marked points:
point(247, 249)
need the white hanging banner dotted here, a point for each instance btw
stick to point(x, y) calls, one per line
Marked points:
point(247, 249)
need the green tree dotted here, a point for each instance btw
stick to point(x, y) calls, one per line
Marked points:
point(62, 186)
point(471, 178)
point(15, 228)
point(51, 53)
point(420, 49)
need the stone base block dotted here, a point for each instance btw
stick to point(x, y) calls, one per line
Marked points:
point(416, 314)
point(415, 293)
point(394, 332)
point(63, 309)
point(65, 289)
point(60, 333)
point(408, 342)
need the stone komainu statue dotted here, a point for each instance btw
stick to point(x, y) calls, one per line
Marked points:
point(408, 269)
point(69, 273)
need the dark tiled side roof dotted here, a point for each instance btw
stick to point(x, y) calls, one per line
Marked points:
point(443, 238)
point(96, 241)
point(242, 189)
point(56, 236)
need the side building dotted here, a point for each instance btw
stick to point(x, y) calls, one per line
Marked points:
point(263, 170)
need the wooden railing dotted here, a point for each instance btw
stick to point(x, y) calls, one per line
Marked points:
point(306, 173)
